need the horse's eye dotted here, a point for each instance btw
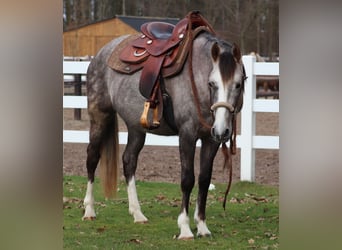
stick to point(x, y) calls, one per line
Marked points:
point(238, 85)
point(211, 84)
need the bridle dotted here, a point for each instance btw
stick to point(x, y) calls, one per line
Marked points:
point(226, 105)
point(227, 153)
point(231, 108)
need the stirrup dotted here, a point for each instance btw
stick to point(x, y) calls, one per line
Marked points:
point(144, 117)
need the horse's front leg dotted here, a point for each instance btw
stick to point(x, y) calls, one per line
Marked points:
point(135, 143)
point(208, 152)
point(187, 147)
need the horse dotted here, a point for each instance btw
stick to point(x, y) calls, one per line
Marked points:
point(266, 85)
point(205, 103)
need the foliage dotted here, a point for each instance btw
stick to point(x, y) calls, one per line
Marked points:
point(249, 222)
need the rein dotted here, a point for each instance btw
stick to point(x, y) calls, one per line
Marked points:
point(194, 89)
point(228, 160)
point(226, 153)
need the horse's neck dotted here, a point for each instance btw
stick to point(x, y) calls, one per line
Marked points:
point(180, 86)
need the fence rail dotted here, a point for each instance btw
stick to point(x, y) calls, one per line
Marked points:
point(247, 141)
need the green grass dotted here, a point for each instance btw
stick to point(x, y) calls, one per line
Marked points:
point(251, 219)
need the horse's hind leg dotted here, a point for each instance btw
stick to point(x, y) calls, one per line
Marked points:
point(101, 126)
point(208, 152)
point(135, 143)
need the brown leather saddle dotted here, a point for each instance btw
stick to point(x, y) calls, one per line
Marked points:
point(160, 51)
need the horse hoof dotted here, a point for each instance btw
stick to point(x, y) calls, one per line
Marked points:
point(139, 217)
point(203, 235)
point(141, 222)
point(88, 218)
point(185, 237)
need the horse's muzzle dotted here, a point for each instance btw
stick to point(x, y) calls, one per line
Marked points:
point(223, 133)
point(220, 137)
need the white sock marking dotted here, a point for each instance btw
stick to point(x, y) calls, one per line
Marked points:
point(89, 203)
point(184, 225)
point(134, 206)
point(202, 229)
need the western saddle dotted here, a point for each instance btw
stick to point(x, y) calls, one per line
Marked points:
point(160, 51)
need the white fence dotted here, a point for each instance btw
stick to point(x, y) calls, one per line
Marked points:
point(247, 141)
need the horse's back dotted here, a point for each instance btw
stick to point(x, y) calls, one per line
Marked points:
point(97, 87)
point(104, 53)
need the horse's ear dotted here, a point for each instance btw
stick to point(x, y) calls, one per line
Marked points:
point(236, 52)
point(215, 51)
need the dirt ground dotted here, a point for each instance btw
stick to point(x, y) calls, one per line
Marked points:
point(162, 164)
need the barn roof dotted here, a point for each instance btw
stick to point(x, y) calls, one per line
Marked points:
point(136, 21)
point(88, 39)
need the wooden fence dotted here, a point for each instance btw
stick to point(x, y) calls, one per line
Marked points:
point(247, 141)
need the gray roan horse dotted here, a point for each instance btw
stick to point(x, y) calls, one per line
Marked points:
point(218, 75)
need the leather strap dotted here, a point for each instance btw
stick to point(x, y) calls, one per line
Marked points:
point(150, 74)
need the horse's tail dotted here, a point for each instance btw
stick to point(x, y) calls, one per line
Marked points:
point(109, 159)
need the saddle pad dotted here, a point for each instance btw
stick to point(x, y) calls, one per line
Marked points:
point(114, 61)
point(121, 59)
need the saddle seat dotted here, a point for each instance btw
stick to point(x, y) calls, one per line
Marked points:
point(160, 51)
point(158, 30)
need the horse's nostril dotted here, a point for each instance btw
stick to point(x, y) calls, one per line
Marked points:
point(213, 131)
point(220, 136)
point(226, 132)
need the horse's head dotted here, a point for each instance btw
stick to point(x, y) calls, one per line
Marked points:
point(226, 85)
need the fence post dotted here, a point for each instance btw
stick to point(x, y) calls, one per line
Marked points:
point(247, 172)
point(78, 92)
